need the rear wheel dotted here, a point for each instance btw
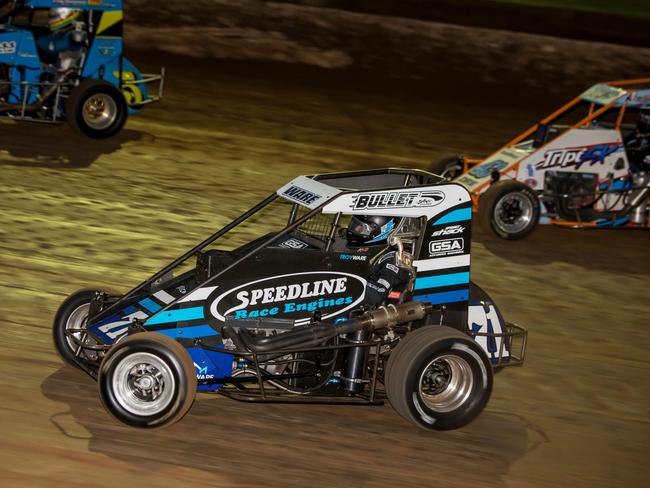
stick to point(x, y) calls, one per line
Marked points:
point(509, 210)
point(438, 378)
point(147, 380)
point(96, 109)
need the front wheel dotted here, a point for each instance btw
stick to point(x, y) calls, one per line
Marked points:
point(68, 329)
point(438, 378)
point(509, 210)
point(147, 380)
point(96, 109)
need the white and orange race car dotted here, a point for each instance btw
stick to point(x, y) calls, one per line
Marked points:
point(585, 165)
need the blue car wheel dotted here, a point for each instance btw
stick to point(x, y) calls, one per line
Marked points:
point(96, 109)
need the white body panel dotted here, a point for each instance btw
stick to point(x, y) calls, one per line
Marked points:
point(599, 151)
point(406, 202)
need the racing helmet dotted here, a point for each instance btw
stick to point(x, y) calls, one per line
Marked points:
point(60, 18)
point(370, 229)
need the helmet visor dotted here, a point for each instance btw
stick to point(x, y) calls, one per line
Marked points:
point(360, 228)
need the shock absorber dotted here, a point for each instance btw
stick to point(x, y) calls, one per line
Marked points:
point(639, 198)
point(356, 363)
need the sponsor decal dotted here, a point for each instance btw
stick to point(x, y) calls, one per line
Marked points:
point(293, 243)
point(202, 373)
point(307, 192)
point(602, 94)
point(293, 296)
point(352, 257)
point(447, 247)
point(300, 195)
point(484, 170)
point(467, 180)
point(393, 268)
point(396, 199)
point(7, 47)
point(577, 156)
point(484, 320)
point(448, 231)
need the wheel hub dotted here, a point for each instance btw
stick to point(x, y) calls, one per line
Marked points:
point(143, 384)
point(99, 111)
point(446, 383)
point(513, 213)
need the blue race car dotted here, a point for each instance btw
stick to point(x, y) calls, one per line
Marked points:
point(299, 315)
point(63, 60)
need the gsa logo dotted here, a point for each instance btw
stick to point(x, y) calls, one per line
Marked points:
point(7, 47)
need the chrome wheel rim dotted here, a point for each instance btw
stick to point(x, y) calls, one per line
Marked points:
point(76, 321)
point(99, 111)
point(513, 212)
point(143, 384)
point(446, 383)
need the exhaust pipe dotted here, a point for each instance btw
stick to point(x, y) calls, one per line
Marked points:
point(315, 334)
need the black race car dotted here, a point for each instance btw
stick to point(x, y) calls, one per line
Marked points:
point(286, 316)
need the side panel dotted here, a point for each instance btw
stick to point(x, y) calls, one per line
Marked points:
point(103, 60)
point(443, 261)
point(443, 264)
point(595, 150)
point(501, 160)
point(18, 50)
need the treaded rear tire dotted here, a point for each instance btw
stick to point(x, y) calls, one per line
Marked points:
point(175, 357)
point(407, 365)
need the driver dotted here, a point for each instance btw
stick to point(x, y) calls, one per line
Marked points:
point(61, 48)
point(638, 144)
point(385, 275)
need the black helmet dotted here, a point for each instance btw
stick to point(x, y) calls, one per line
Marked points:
point(370, 229)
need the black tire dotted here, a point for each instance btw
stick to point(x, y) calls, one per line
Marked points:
point(109, 114)
point(458, 359)
point(509, 210)
point(448, 167)
point(71, 314)
point(5, 89)
point(167, 363)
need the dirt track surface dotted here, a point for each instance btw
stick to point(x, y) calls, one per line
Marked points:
point(74, 213)
point(255, 30)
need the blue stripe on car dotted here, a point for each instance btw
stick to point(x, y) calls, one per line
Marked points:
point(150, 305)
point(441, 280)
point(443, 297)
point(191, 332)
point(455, 216)
point(176, 316)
